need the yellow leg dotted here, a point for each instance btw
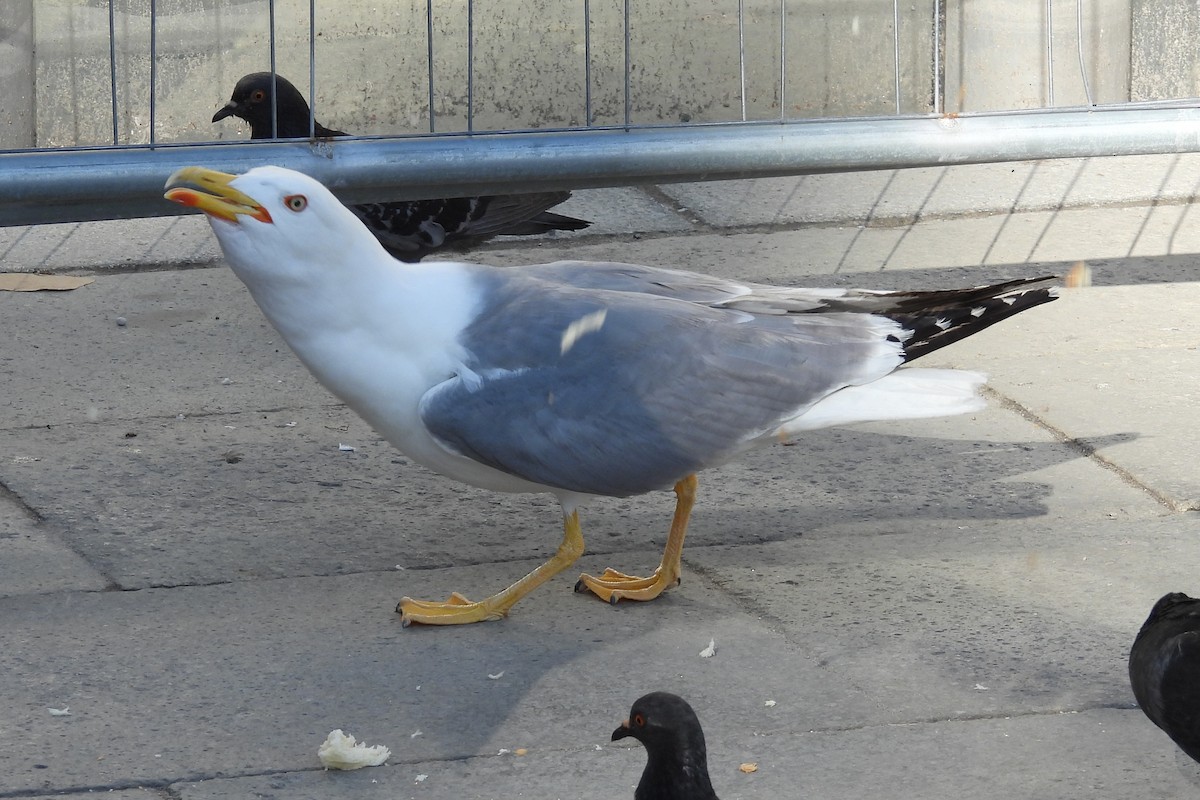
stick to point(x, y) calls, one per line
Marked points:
point(613, 586)
point(458, 610)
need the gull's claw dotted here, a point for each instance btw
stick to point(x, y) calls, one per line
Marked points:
point(613, 586)
point(457, 610)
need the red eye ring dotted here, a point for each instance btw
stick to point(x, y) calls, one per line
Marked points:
point(257, 95)
point(296, 202)
point(638, 720)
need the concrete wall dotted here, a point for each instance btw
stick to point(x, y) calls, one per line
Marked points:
point(17, 112)
point(372, 61)
point(996, 53)
point(1164, 49)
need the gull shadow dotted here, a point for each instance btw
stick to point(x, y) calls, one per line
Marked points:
point(840, 477)
point(172, 511)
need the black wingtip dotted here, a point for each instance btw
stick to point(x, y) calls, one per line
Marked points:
point(937, 319)
point(561, 222)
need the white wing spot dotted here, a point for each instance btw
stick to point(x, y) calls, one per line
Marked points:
point(470, 378)
point(433, 233)
point(581, 327)
point(977, 311)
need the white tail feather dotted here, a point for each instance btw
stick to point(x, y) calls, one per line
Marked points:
point(903, 394)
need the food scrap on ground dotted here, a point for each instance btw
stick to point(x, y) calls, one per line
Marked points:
point(341, 751)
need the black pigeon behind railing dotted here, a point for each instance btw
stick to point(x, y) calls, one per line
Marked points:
point(409, 229)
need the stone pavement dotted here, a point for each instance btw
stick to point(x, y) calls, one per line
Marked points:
point(942, 608)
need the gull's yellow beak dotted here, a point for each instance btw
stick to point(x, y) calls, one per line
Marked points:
point(209, 191)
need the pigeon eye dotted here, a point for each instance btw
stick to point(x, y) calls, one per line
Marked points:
point(257, 95)
point(638, 720)
point(296, 202)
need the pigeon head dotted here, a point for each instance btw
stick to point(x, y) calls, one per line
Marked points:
point(252, 99)
point(271, 217)
point(677, 761)
point(1172, 606)
point(1169, 602)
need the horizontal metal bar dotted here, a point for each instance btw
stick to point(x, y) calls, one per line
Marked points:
point(111, 183)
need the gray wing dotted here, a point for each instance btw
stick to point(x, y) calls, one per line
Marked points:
point(614, 393)
point(765, 300)
point(755, 298)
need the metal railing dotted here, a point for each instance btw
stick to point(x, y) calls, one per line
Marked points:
point(919, 108)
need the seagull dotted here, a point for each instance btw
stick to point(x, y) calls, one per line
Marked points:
point(1163, 667)
point(676, 759)
point(578, 379)
point(409, 229)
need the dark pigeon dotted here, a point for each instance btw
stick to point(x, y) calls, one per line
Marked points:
point(409, 230)
point(1164, 669)
point(677, 761)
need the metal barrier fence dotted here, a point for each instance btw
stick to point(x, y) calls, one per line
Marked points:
point(463, 97)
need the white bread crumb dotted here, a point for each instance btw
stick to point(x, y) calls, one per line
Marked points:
point(340, 751)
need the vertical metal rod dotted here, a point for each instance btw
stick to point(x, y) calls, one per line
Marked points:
point(470, 65)
point(742, 52)
point(782, 59)
point(429, 58)
point(896, 48)
point(587, 62)
point(274, 82)
point(628, 70)
point(1087, 90)
point(937, 56)
point(112, 62)
point(1050, 52)
point(312, 69)
point(153, 62)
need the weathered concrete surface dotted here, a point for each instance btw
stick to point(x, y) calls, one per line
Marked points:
point(1004, 54)
point(1070, 376)
point(33, 559)
point(18, 115)
point(1167, 67)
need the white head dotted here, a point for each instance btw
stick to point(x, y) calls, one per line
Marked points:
point(274, 223)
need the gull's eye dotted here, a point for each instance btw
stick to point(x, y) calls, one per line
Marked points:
point(296, 202)
point(638, 720)
point(257, 96)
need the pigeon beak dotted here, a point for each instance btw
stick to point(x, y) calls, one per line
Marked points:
point(227, 110)
point(623, 731)
point(209, 191)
